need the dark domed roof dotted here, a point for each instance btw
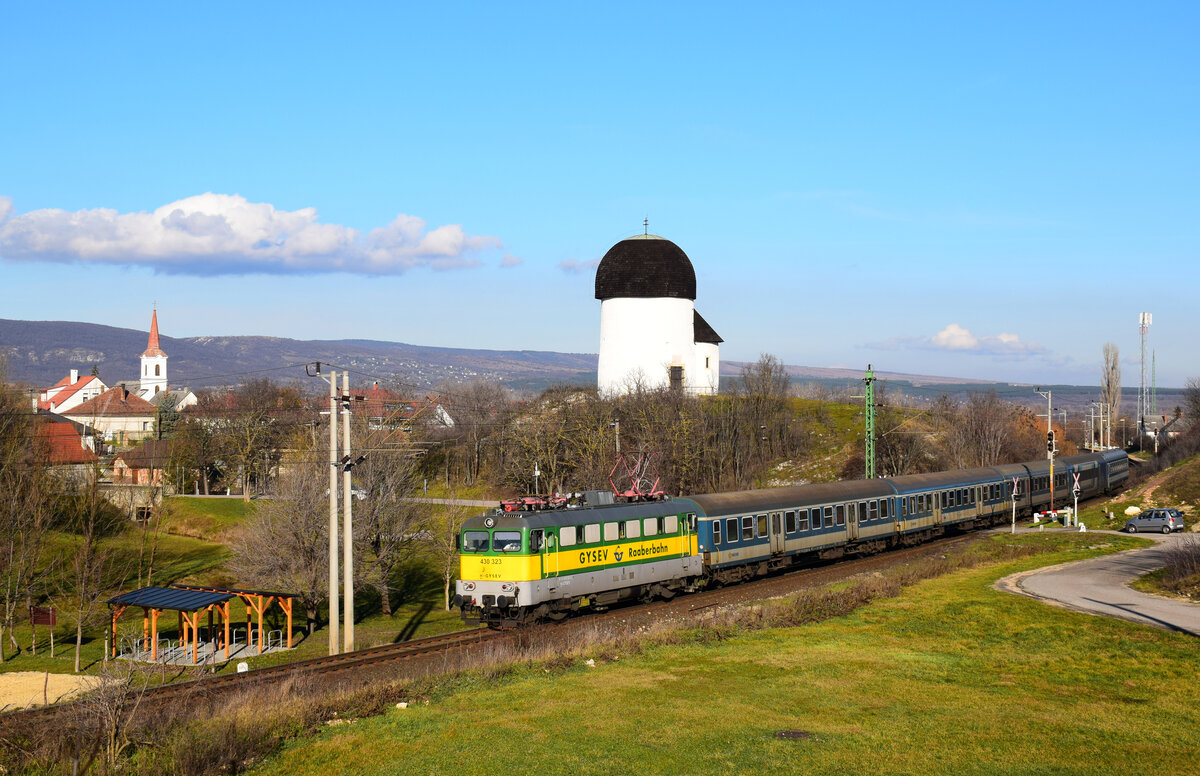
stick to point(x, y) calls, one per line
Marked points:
point(645, 265)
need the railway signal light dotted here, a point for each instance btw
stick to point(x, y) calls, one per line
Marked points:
point(1049, 441)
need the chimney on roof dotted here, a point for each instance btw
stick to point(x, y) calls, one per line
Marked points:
point(376, 386)
point(74, 376)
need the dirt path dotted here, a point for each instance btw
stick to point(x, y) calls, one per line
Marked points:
point(22, 689)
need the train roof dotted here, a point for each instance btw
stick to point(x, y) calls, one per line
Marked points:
point(545, 518)
point(794, 496)
point(909, 483)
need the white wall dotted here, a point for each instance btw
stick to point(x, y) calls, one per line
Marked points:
point(705, 379)
point(640, 338)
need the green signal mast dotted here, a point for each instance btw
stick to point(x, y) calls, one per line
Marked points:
point(869, 414)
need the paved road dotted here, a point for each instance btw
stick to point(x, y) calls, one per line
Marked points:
point(1101, 586)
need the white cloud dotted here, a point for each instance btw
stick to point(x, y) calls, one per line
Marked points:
point(224, 234)
point(510, 260)
point(960, 340)
point(955, 337)
point(576, 267)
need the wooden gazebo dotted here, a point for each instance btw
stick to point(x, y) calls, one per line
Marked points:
point(192, 603)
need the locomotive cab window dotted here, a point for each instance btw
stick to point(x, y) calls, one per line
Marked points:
point(566, 536)
point(506, 541)
point(475, 541)
point(535, 540)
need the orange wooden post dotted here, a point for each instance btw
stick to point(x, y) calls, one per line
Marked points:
point(195, 637)
point(261, 635)
point(112, 642)
point(286, 603)
point(225, 616)
point(154, 634)
point(145, 626)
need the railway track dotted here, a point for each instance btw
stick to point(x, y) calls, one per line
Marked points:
point(365, 664)
point(210, 688)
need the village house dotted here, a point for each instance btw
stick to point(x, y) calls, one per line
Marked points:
point(117, 415)
point(143, 465)
point(70, 392)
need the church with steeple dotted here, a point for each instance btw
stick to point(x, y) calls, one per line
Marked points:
point(152, 384)
point(153, 379)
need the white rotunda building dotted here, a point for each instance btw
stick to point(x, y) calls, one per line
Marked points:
point(650, 332)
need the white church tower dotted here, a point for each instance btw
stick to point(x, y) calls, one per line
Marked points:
point(153, 378)
point(650, 332)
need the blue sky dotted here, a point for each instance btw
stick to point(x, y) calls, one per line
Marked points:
point(964, 189)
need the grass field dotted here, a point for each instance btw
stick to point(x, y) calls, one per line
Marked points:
point(204, 517)
point(951, 677)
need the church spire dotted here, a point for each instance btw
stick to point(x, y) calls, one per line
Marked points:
point(152, 347)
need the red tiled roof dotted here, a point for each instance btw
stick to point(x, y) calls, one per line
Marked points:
point(114, 401)
point(69, 389)
point(151, 454)
point(63, 444)
point(152, 346)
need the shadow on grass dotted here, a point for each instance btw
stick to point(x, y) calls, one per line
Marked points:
point(413, 623)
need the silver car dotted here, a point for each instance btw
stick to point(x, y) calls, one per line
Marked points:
point(1154, 521)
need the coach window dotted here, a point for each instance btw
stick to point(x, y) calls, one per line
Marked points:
point(873, 510)
point(566, 536)
point(789, 522)
point(651, 526)
point(841, 514)
point(671, 524)
point(762, 525)
point(885, 508)
point(802, 523)
point(506, 541)
point(747, 528)
point(828, 517)
point(731, 529)
point(633, 529)
point(716, 526)
point(475, 541)
point(612, 532)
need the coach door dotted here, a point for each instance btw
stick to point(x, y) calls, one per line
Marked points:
point(548, 547)
point(852, 521)
point(776, 533)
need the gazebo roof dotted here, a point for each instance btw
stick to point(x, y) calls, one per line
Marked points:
point(169, 598)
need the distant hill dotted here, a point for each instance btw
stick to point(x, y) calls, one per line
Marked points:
point(42, 352)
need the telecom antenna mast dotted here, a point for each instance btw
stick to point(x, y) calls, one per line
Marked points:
point(1144, 321)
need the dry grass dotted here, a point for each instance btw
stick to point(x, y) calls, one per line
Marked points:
point(199, 738)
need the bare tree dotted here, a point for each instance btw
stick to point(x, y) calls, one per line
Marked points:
point(1110, 380)
point(285, 543)
point(91, 563)
point(386, 522)
point(443, 525)
point(25, 508)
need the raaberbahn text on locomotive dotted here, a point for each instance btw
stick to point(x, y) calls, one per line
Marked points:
point(524, 563)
